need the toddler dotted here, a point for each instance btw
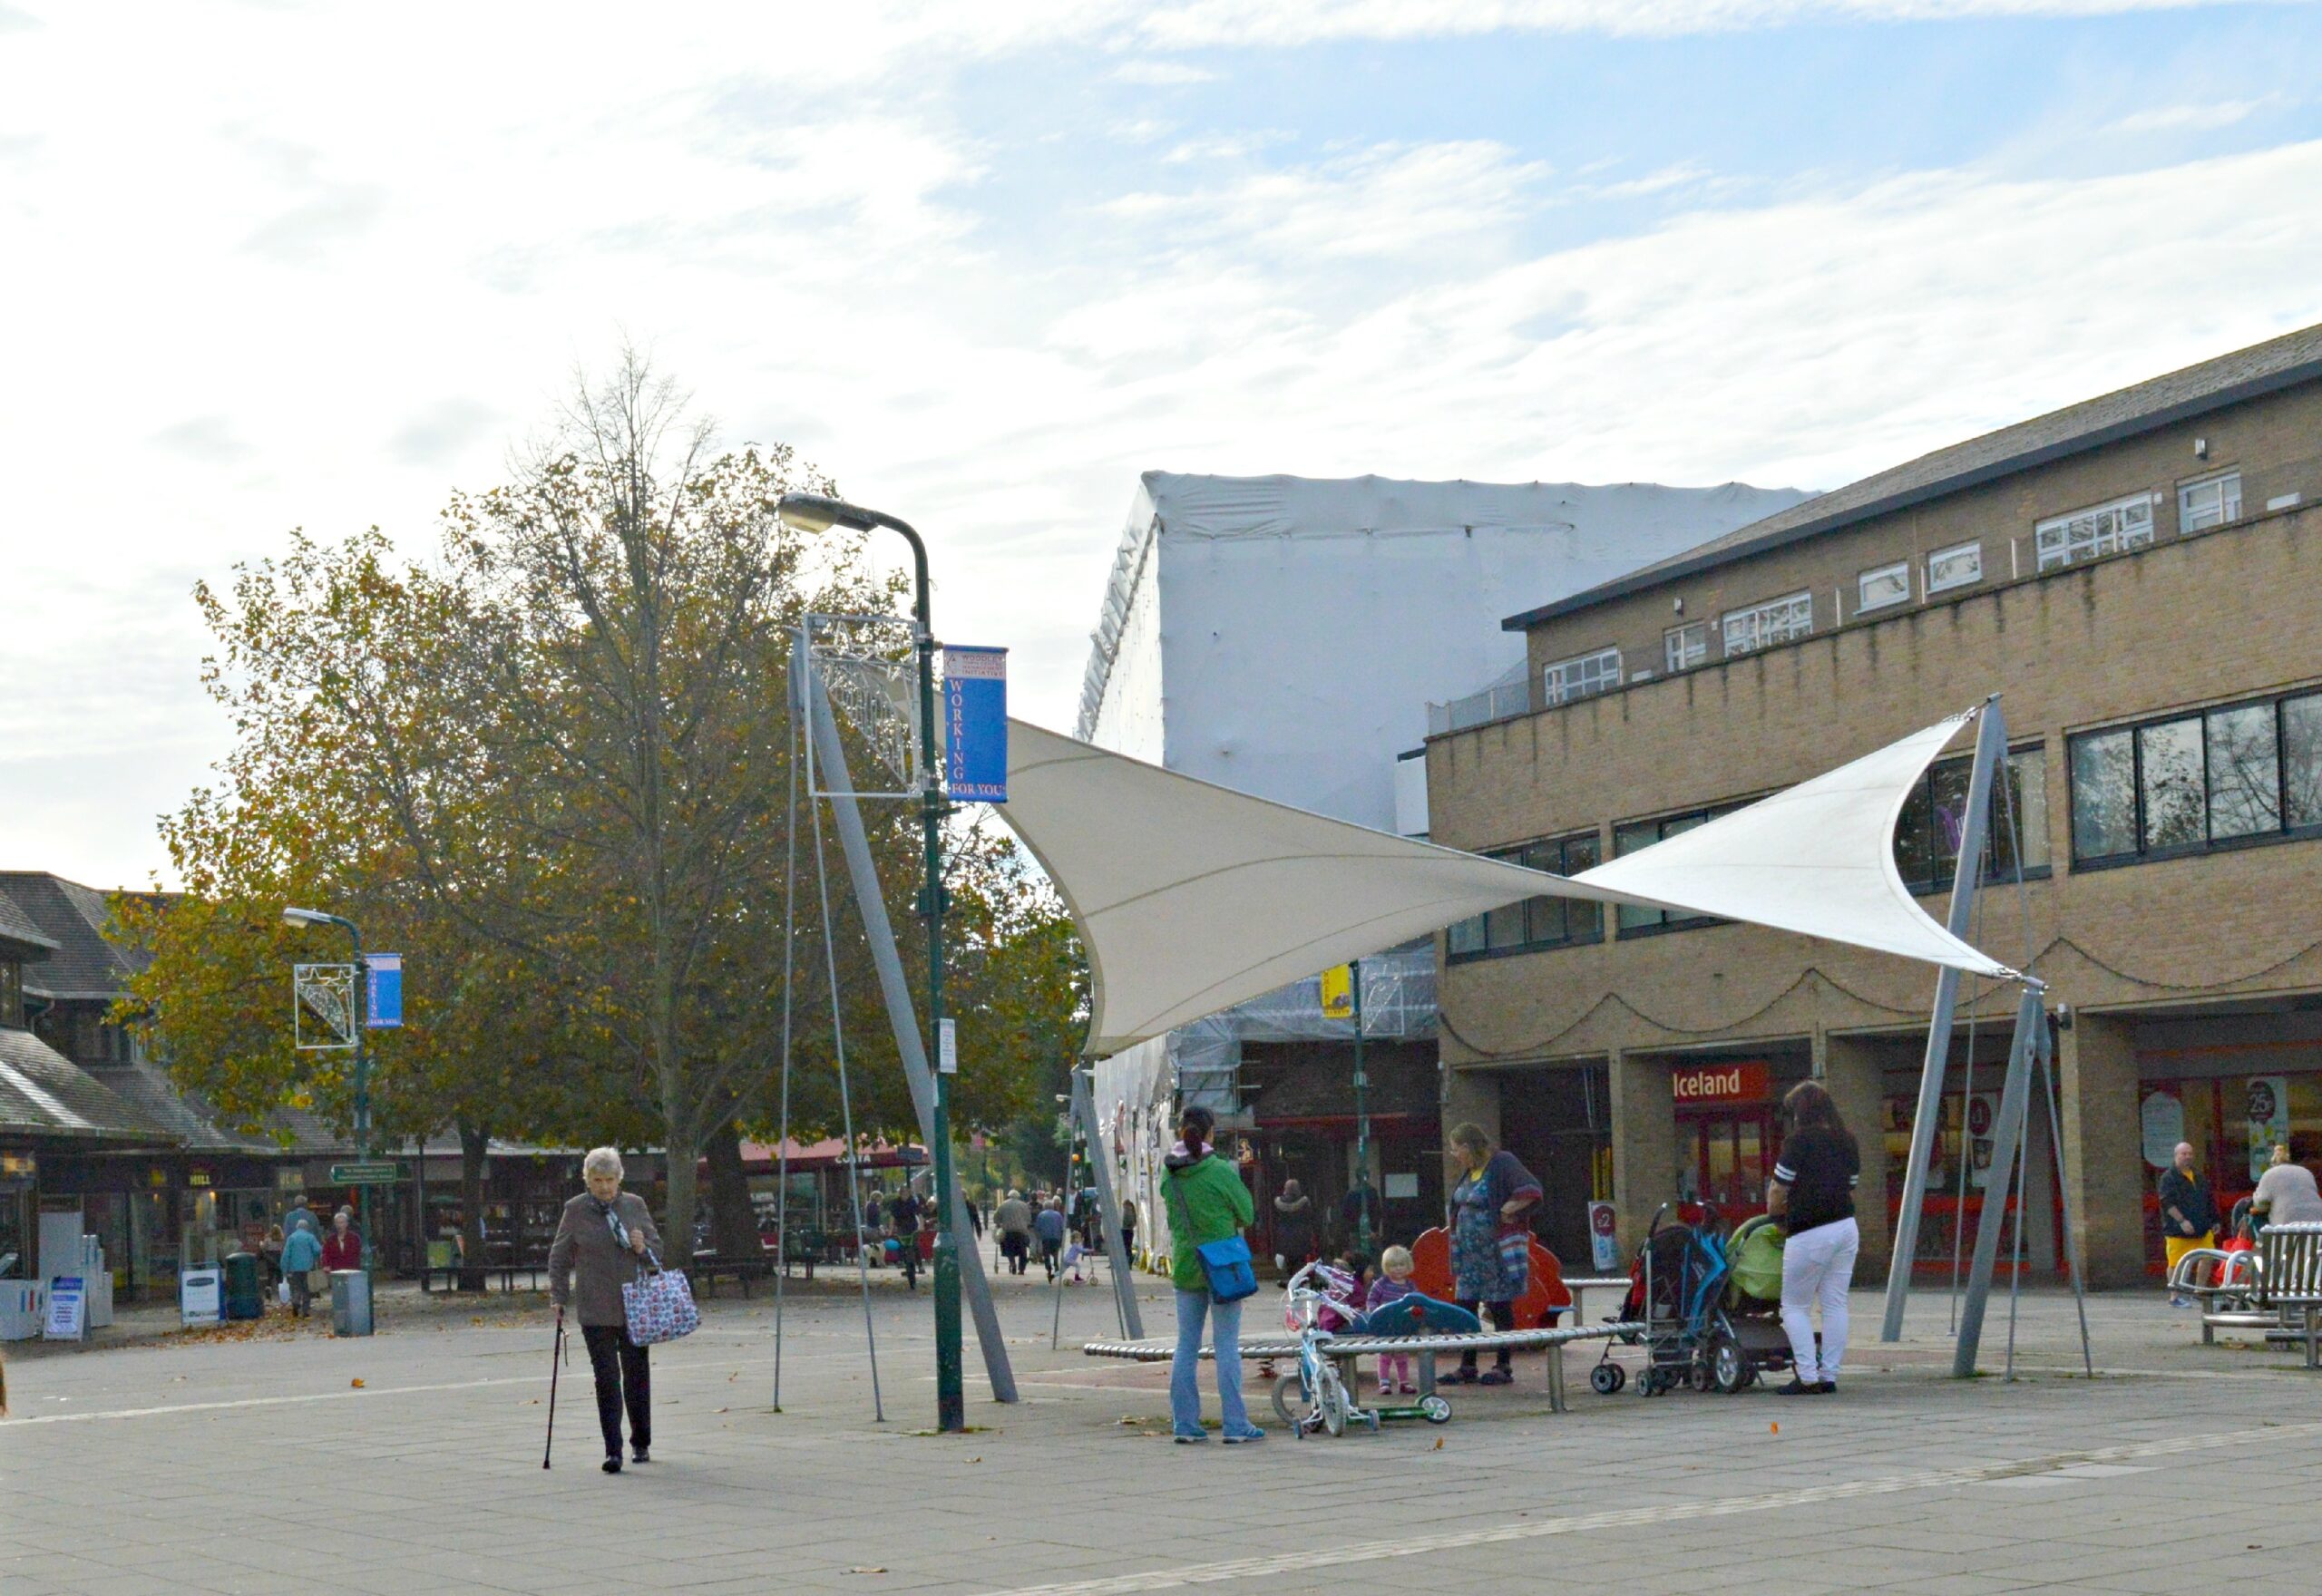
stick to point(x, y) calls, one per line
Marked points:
point(1394, 1281)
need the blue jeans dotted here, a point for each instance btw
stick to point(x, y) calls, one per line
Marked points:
point(1185, 1392)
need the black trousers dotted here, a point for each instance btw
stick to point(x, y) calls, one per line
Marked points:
point(622, 1373)
point(910, 1259)
point(1503, 1318)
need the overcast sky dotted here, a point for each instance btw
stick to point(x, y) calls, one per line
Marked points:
point(269, 265)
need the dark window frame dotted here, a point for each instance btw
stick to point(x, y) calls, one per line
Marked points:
point(1991, 874)
point(2283, 831)
point(1562, 843)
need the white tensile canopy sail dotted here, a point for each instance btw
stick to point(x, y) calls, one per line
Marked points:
point(1816, 858)
point(1191, 897)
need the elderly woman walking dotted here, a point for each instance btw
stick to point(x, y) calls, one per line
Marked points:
point(604, 1233)
point(1490, 1240)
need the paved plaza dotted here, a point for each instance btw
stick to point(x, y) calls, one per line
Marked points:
point(204, 1463)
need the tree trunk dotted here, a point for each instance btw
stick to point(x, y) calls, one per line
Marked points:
point(733, 1224)
point(473, 1140)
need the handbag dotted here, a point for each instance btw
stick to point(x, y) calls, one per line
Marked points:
point(660, 1306)
point(1226, 1263)
point(1516, 1257)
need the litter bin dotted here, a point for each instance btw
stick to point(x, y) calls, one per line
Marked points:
point(350, 1302)
point(244, 1297)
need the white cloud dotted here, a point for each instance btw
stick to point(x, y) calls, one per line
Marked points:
point(1211, 23)
point(1166, 74)
point(804, 235)
point(2206, 117)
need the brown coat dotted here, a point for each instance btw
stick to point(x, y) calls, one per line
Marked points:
point(584, 1246)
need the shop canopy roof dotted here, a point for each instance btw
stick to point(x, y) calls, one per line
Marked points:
point(1191, 897)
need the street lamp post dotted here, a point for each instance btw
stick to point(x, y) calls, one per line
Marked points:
point(817, 512)
point(359, 998)
point(1361, 1118)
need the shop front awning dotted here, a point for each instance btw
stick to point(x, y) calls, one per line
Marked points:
point(1191, 897)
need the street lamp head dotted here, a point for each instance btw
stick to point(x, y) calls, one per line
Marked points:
point(815, 513)
point(306, 917)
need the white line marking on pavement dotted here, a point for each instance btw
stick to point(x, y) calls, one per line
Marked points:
point(80, 1418)
point(1293, 1563)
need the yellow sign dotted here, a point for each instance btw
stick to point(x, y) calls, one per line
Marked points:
point(1337, 992)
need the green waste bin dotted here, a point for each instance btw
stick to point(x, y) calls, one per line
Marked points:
point(245, 1298)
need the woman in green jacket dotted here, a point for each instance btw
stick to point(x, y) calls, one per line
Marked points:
point(1206, 1203)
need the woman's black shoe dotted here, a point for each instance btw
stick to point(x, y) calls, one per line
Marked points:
point(640, 1454)
point(1798, 1388)
point(611, 1466)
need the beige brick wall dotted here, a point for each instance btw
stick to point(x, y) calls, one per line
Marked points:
point(2225, 615)
point(2275, 444)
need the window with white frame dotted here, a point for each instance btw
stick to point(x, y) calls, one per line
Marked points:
point(1581, 676)
point(2098, 531)
point(1683, 647)
point(1956, 567)
point(1762, 626)
point(2210, 502)
point(1884, 585)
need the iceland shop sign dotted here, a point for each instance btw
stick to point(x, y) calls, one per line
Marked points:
point(1721, 1083)
point(975, 724)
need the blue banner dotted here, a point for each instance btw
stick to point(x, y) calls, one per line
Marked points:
point(975, 718)
point(385, 990)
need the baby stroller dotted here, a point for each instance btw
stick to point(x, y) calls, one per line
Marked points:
point(1704, 1327)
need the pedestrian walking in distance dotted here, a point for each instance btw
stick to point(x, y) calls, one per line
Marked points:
point(302, 1252)
point(1812, 1195)
point(1014, 1217)
point(1049, 1225)
point(343, 1249)
point(605, 1231)
point(903, 1214)
point(1491, 1232)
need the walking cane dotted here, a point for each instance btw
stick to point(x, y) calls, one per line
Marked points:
point(554, 1362)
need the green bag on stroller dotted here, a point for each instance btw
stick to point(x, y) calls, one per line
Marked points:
point(1754, 1260)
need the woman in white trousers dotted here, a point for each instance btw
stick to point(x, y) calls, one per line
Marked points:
point(1812, 1193)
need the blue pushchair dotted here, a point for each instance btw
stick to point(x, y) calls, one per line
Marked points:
point(1701, 1328)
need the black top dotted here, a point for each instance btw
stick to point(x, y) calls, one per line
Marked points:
point(1820, 1166)
point(903, 1210)
point(2180, 1191)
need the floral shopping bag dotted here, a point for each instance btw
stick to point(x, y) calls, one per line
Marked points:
point(659, 1305)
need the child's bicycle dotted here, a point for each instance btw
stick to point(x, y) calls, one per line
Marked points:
point(1315, 1395)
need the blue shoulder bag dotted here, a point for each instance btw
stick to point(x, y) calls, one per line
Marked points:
point(1227, 1265)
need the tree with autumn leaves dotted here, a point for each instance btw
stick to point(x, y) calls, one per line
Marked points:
point(552, 765)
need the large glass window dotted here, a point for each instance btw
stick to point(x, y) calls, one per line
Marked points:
point(2099, 530)
point(1683, 648)
point(1883, 585)
point(1582, 677)
point(1762, 626)
point(1926, 838)
point(2170, 785)
point(1957, 567)
point(2238, 773)
point(2210, 502)
point(2104, 795)
point(1537, 922)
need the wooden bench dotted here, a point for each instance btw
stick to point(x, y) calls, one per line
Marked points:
point(2275, 1290)
point(708, 1271)
point(450, 1274)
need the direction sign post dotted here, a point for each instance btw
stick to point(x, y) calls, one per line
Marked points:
point(370, 1172)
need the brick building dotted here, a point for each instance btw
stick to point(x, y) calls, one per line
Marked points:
point(2137, 574)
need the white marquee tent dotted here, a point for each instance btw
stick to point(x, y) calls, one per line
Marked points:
point(1191, 897)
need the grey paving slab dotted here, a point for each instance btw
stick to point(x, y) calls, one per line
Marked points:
point(1909, 1483)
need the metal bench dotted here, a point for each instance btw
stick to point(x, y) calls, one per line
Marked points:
point(2275, 1290)
point(1345, 1349)
point(708, 1271)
